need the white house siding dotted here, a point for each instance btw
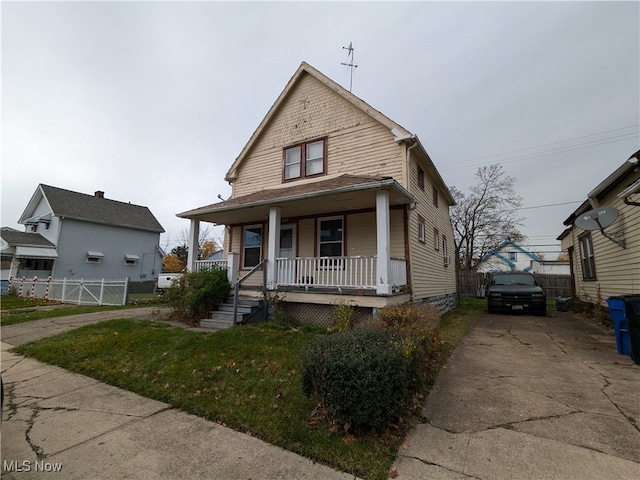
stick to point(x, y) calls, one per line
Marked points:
point(356, 143)
point(617, 268)
point(76, 238)
point(435, 280)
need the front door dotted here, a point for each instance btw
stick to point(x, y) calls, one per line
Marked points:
point(287, 268)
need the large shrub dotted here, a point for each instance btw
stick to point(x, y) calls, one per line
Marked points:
point(361, 377)
point(416, 323)
point(198, 293)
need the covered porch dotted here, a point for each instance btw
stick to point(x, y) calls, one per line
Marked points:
point(280, 227)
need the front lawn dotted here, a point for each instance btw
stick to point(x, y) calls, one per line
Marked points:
point(247, 378)
point(20, 309)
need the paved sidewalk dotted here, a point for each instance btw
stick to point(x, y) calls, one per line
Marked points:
point(527, 397)
point(58, 424)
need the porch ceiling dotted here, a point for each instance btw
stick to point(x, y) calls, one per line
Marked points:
point(338, 194)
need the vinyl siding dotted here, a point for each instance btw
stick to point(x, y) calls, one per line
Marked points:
point(617, 268)
point(429, 276)
point(77, 237)
point(356, 143)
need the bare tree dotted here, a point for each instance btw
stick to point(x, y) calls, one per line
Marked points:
point(207, 234)
point(486, 216)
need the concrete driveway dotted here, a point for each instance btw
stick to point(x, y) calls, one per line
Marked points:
point(527, 397)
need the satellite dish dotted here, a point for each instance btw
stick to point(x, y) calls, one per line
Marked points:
point(597, 219)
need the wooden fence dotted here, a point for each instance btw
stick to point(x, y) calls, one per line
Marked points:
point(472, 283)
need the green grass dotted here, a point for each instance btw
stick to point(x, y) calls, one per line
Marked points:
point(19, 309)
point(247, 378)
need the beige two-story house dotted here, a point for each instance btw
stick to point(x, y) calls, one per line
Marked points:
point(334, 202)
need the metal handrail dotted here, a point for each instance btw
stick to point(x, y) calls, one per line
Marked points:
point(236, 287)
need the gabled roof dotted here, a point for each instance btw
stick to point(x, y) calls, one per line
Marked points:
point(90, 208)
point(496, 253)
point(618, 179)
point(401, 133)
point(306, 69)
point(14, 238)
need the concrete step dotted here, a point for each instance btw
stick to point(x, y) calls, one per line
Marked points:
point(223, 316)
point(217, 323)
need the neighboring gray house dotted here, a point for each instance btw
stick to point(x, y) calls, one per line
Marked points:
point(74, 235)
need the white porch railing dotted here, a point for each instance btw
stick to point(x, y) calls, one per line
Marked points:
point(347, 272)
point(344, 272)
point(209, 264)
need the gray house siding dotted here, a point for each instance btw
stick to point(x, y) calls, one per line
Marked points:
point(77, 238)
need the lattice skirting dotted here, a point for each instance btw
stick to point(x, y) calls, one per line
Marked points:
point(313, 314)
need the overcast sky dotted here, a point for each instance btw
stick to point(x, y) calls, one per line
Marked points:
point(152, 102)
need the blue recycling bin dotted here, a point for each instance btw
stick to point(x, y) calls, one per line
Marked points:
point(619, 317)
point(632, 304)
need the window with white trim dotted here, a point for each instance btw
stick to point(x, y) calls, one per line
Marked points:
point(587, 258)
point(436, 239)
point(130, 259)
point(305, 160)
point(422, 229)
point(251, 246)
point(94, 257)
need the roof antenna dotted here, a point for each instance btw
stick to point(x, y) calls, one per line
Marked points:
point(350, 63)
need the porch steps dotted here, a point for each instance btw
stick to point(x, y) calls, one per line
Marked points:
point(223, 316)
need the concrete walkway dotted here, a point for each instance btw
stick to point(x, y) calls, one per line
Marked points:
point(522, 398)
point(530, 398)
point(61, 425)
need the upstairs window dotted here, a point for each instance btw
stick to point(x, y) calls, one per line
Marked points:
point(436, 239)
point(421, 178)
point(305, 160)
point(435, 196)
point(422, 229)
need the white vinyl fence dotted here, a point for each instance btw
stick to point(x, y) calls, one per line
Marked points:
point(79, 291)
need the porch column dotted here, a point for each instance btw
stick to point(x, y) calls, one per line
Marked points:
point(194, 233)
point(273, 246)
point(383, 241)
point(233, 263)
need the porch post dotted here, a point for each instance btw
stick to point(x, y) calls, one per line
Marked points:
point(233, 263)
point(383, 241)
point(273, 246)
point(194, 233)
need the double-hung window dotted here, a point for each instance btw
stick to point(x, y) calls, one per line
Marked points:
point(422, 228)
point(331, 240)
point(251, 246)
point(586, 257)
point(436, 239)
point(305, 160)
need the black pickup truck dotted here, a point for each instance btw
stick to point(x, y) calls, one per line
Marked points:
point(515, 291)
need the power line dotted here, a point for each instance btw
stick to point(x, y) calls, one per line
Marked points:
point(532, 156)
point(548, 144)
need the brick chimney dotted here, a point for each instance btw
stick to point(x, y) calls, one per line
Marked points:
point(99, 194)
